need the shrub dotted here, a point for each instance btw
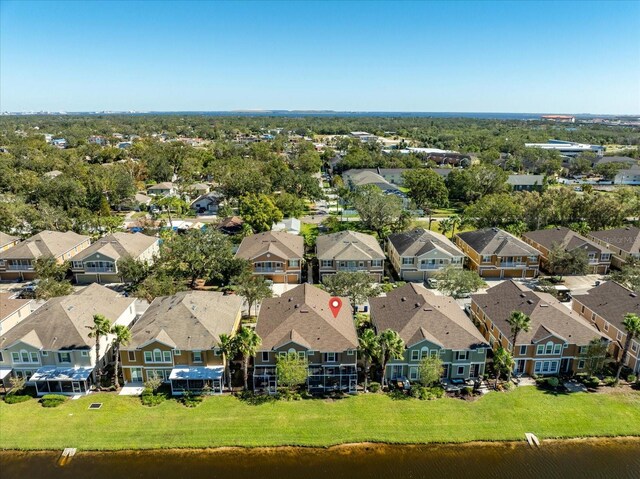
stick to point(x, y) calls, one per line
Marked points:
point(419, 392)
point(192, 400)
point(397, 394)
point(553, 382)
point(436, 392)
point(507, 386)
point(632, 378)
point(467, 390)
point(287, 394)
point(52, 400)
point(150, 399)
point(374, 387)
point(12, 398)
point(591, 382)
point(609, 381)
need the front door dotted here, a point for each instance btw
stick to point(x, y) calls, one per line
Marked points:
point(564, 365)
point(76, 387)
point(475, 371)
point(136, 374)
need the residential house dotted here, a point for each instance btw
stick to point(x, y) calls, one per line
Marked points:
point(208, 203)
point(232, 225)
point(301, 322)
point(628, 176)
point(17, 263)
point(419, 254)
point(599, 257)
point(557, 340)
point(624, 242)
point(12, 311)
point(140, 199)
point(199, 188)
point(99, 262)
point(275, 255)
point(429, 325)
point(52, 347)
point(289, 225)
point(494, 253)
point(165, 188)
point(526, 182)
point(177, 339)
point(7, 241)
point(605, 306)
point(350, 251)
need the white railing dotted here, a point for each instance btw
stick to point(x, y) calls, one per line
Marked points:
point(99, 269)
point(20, 267)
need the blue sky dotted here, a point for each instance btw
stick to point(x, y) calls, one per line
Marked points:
point(556, 57)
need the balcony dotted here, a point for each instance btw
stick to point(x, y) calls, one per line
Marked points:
point(20, 267)
point(258, 269)
point(423, 267)
point(100, 269)
point(512, 264)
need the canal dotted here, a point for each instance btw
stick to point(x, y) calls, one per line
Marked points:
point(570, 459)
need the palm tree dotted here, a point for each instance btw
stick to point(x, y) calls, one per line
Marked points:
point(518, 322)
point(456, 222)
point(229, 348)
point(391, 346)
point(101, 327)
point(122, 336)
point(502, 360)
point(631, 323)
point(446, 225)
point(370, 350)
point(248, 343)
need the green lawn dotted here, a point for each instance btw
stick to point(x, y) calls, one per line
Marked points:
point(123, 423)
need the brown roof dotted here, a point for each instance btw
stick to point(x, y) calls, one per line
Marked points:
point(230, 222)
point(548, 315)
point(279, 243)
point(45, 243)
point(490, 241)
point(302, 315)
point(420, 241)
point(63, 322)
point(9, 305)
point(565, 237)
point(627, 239)
point(346, 245)
point(5, 239)
point(189, 320)
point(118, 245)
point(418, 314)
point(611, 301)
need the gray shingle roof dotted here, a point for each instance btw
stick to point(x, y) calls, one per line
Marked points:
point(548, 315)
point(348, 245)
point(302, 315)
point(418, 314)
point(63, 322)
point(490, 241)
point(282, 244)
point(189, 320)
point(118, 245)
point(611, 301)
point(565, 237)
point(45, 243)
point(627, 239)
point(6, 239)
point(525, 180)
point(420, 241)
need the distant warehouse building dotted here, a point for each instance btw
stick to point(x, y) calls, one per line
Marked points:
point(568, 148)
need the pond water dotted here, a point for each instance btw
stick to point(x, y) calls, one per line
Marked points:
point(571, 459)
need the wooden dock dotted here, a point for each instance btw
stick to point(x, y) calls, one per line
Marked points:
point(66, 455)
point(532, 439)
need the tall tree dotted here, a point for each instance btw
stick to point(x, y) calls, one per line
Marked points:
point(46, 267)
point(458, 282)
point(518, 321)
point(378, 211)
point(260, 212)
point(121, 337)
point(595, 355)
point(502, 362)
point(430, 370)
point(391, 346)
point(426, 188)
point(229, 348)
point(631, 323)
point(101, 327)
point(253, 289)
point(358, 286)
point(292, 370)
point(248, 342)
point(560, 261)
point(370, 350)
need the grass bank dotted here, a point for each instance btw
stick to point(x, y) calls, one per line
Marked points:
point(123, 423)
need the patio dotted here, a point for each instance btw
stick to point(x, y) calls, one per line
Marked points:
point(196, 379)
point(67, 381)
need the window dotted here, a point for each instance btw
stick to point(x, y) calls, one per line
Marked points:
point(415, 355)
point(606, 326)
point(84, 354)
point(350, 352)
point(581, 364)
point(131, 355)
point(64, 357)
point(1, 357)
point(330, 357)
point(460, 370)
point(301, 354)
point(282, 354)
point(265, 356)
point(533, 259)
point(24, 355)
point(77, 264)
point(326, 263)
point(619, 335)
point(45, 353)
point(434, 353)
point(166, 356)
point(456, 260)
point(217, 352)
point(540, 349)
point(557, 349)
point(197, 356)
point(548, 348)
point(177, 352)
point(148, 357)
point(583, 349)
point(523, 350)
point(461, 355)
point(634, 347)
point(413, 373)
point(15, 357)
point(486, 259)
point(361, 264)
point(376, 262)
point(407, 260)
point(605, 257)
point(582, 310)
point(294, 262)
point(593, 317)
point(157, 356)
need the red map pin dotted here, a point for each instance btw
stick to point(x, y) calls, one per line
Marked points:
point(335, 304)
